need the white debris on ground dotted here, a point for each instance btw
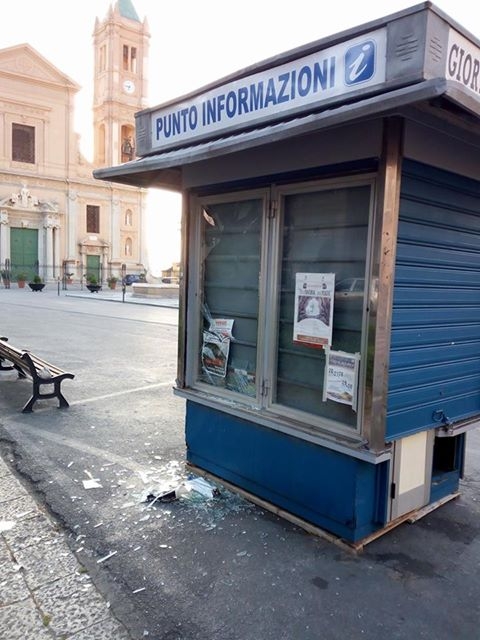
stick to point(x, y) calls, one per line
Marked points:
point(183, 490)
point(107, 557)
point(163, 483)
point(91, 483)
point(135, 506)
point(148, 502)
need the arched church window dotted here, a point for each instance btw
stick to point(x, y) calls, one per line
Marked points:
point(128, 148)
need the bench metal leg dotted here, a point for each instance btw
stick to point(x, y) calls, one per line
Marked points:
point(37, 395)
point(28, 408)
point(62, 402)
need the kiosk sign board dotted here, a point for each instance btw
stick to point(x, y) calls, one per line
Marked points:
point(406, 55)
point(463, 63)
point(293, 87)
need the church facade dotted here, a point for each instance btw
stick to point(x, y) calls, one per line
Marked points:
point(56, 220)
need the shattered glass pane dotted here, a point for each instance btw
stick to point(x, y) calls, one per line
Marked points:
point(231, 240)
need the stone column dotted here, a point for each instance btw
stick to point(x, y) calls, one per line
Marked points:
point(50, 223)
point(48, 253)
point(104, 261)
point(82, 266)
point(57, 264)
point(143, 206)
point(4, 237)
point(71, 218)
point(115, 229)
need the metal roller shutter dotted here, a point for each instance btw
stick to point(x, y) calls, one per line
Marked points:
point(434, 374)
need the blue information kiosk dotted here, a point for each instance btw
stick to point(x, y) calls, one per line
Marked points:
point(329, 349)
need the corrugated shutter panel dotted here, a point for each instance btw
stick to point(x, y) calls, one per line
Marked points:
point(435, 347)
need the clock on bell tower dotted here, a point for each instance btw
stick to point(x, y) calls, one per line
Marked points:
point(129, 86)
point(121, 44)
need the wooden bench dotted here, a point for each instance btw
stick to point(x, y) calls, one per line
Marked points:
point(41, 372)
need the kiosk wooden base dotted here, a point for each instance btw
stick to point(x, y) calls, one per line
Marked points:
point(355, 547)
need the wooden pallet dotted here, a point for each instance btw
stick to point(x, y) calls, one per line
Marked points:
point(353, 547)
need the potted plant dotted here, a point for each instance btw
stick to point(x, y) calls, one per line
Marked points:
point(112, 282)
point(21, 279)
point(36, 284)
point(92, 283)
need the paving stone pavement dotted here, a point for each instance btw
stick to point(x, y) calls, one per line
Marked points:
point(45, 593)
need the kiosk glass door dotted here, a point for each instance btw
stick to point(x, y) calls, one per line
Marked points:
point(231, 233)
point(322, 273)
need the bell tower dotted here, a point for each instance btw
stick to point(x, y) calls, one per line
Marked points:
point(121, 44)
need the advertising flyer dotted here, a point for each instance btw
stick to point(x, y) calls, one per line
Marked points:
point(341, 375)
point(216, 347)
point(314, 296)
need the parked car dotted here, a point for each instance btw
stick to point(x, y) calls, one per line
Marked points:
point(130, 278)
point(350, 287)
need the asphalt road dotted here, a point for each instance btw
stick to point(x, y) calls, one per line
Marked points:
point(198, 569)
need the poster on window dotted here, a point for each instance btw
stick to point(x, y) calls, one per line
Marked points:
point(341, 375)
point(314, 295)
point(216, 347)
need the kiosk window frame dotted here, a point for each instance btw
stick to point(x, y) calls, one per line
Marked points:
point(207, 227)
point(259, 388)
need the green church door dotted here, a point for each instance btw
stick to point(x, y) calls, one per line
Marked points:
point(93, 266)
point(24, 251)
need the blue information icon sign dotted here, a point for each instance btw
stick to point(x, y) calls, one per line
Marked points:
point(360, 63)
